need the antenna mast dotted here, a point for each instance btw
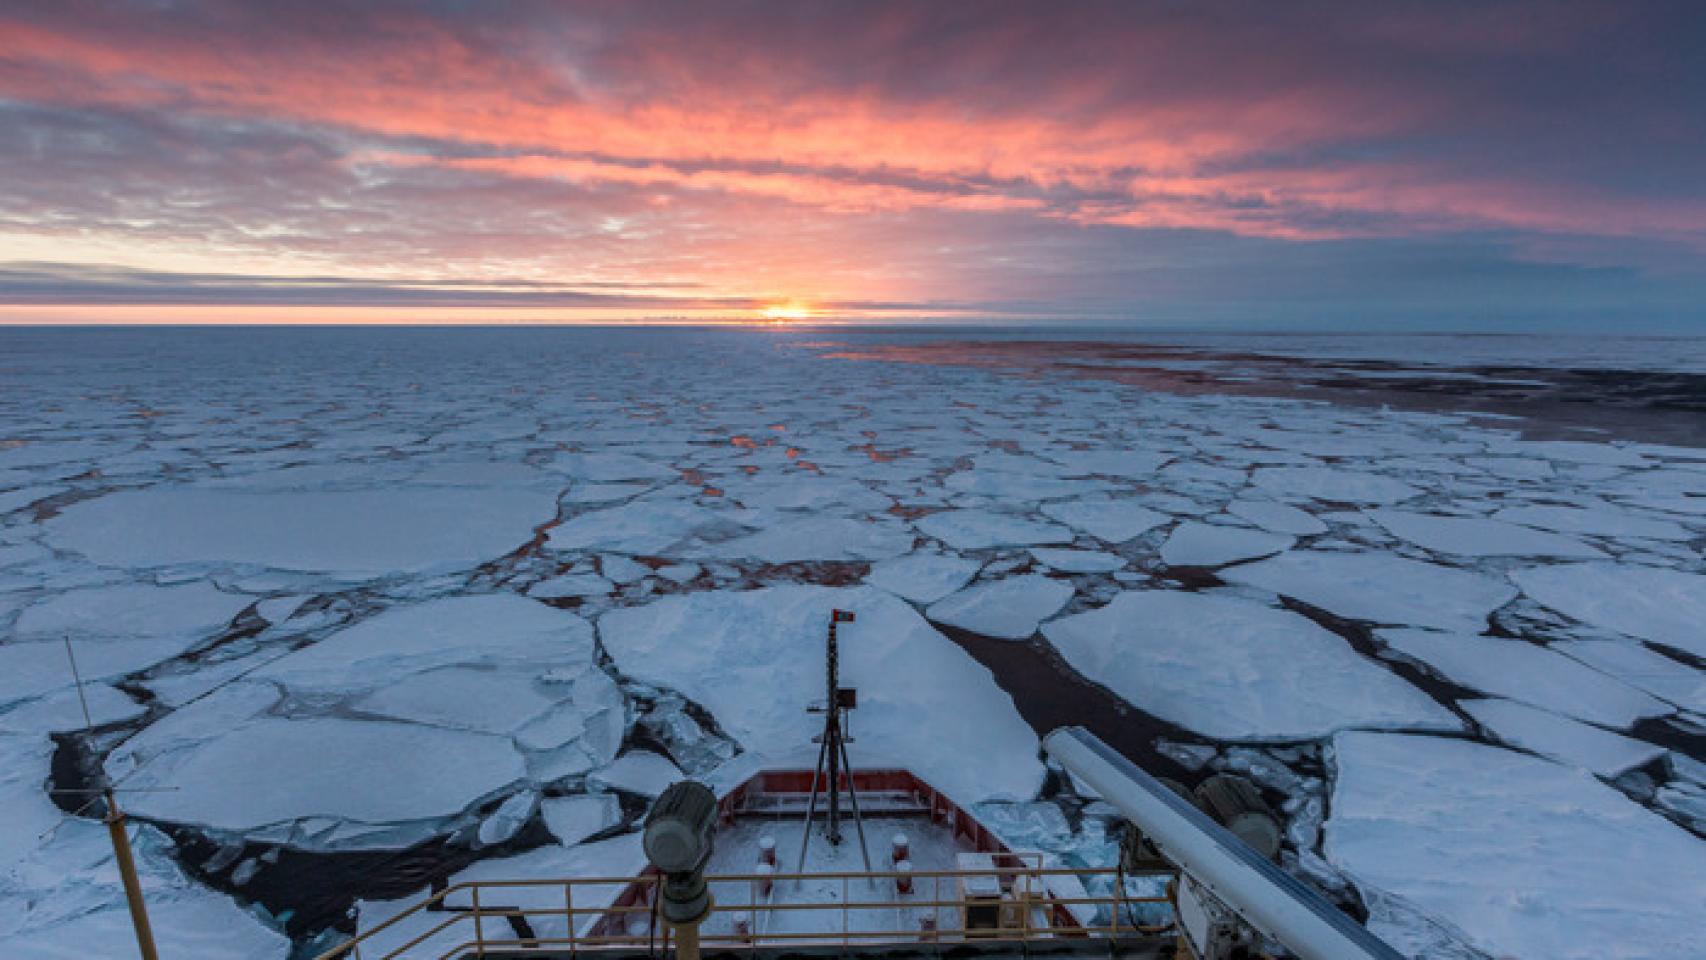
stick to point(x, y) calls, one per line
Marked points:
point(115, 821)
point(832, 751)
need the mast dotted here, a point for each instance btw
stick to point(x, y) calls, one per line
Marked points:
point(832, 757)
point(116, 830)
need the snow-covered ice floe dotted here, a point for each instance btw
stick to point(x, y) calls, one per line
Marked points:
point(1527, 672)
point(1379, 587)
point(1234, 669)
point(1195, 544)
point(1522, 856)
point(1664, 606)
point(1009, 608)
point(754, 659)
point(354, 534)
point(343, 743)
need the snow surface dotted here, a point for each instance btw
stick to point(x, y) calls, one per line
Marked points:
point(1476, 537)
point(1525, 857)
point(1640, 667)
point(827, 538)
point(573, 819)
point(1559, 738)
point(1010, 608)
point(271, 771)
point(754, 659)
point(1529, 673)
point(484, 629)
point(1664, 606)
point(358, 534)
point(923, 577)
point(191, 611)
point(980, 529)
point(1331, 484)
point(1077, 561)
point(1196, 544)
point(1277, 517)
point(1114, 521)
point(1379, 587)
point(206, 928)
point(1601, 520)
point(1235, 669)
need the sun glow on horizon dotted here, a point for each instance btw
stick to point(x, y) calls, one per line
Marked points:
point(787, 311)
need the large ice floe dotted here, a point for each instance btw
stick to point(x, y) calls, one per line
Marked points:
point(1009, 608)
point(1664, 606)
point(1520, 856)
point(1529, 673)
point(1379, 587)
point(1234, 669)
point(356, 534)
point(356, 729)
point(754, 659)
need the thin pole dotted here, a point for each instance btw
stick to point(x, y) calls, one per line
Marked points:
point(132, 886)
point(811, 807)
point(119, 835)
point(832, 735)
point(858, 820)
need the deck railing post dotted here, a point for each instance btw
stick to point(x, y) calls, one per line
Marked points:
point(569, 915)
point(479, 924)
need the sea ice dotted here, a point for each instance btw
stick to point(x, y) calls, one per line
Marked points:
point(572, 585)
point(63, 711)
point(1077, 561)
point(466, 698)
point(1477, 537)
point(923, 577)
point(754, 659)
point(1114, 521)
point(1332, 484)
point(610, 467)
point(130, 611)
point(208, 926)
point(1529, 673)
point(1234, 669)
point(272, 771)
point(1277, 517)
point(1008, 608)
point(573, 819)
point(1664, 606)
point(649, 526)
point(1379, 588)
point(639, 771)
point(1129, 464)
point(483, 629)
point(1600, 521)
point(356, 534)
point(818, 538)
point(1568, 741)
point(980, 529)
point(1197, 544)
point(1525, 857)
point(29, 669)
point(1640, 667)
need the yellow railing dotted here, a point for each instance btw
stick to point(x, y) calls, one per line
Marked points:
point(581, 929)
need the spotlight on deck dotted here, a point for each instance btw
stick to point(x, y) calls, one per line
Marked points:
point(678, 843)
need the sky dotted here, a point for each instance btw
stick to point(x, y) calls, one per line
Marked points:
point(1357, 165)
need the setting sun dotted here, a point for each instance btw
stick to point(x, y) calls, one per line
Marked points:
point(785, 312)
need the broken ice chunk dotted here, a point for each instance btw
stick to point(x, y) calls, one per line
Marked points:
point(1196, 544)
point(1009, 609)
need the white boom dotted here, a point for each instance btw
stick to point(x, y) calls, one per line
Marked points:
point(1213, 861)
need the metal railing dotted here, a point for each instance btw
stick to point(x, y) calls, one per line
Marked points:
point(598, 925)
